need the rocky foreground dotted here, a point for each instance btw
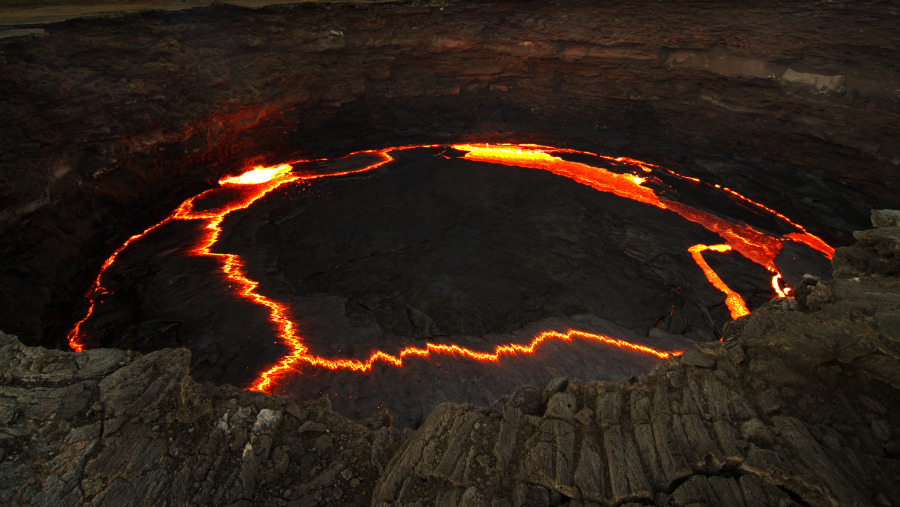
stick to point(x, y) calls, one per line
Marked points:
point(798, 405)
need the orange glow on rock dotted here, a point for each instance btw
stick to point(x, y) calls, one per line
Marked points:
point(260, 181)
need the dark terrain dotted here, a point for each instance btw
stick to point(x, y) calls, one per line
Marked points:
point(107, 123)
point(798, 406)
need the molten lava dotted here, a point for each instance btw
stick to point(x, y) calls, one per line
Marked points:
point(256, 183)
point(733, 300)
point(268, 380)
point(752, 244)
point(623, 185)
point(257, 175)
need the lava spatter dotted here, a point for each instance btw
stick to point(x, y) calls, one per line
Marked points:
point(256, 183)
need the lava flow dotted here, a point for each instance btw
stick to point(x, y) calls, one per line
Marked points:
point(752, 244)
point(253, 185)
point(733, 300)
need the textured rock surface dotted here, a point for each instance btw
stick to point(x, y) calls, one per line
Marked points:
point(794, 407)
point(105, 123)
point(115, 428)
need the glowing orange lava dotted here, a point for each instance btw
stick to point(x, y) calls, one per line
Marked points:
point(97, 289)
point(733, 300)
point(752, 244)
point(268, 380)
point(260, 181)
point(623, 185)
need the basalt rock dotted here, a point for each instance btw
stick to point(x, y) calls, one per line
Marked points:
point(796, 407)
point(876, 252)
point(118, 428)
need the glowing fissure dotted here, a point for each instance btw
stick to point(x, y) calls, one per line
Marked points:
point(812, 241)
point(268, 380)
point(98, 290)
point(752, 244)
point(260, 181)
point(782, 292)
point(733, 300)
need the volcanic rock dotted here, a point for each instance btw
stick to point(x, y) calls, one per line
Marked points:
point(885, 218)
point(107, 123)
point(779, 419)
point(796, 407)
point(876, 251)
point(812, 293)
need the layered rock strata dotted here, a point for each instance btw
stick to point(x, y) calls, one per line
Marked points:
point(797, 406)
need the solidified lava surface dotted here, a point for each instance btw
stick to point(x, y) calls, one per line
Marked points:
point(386, 256)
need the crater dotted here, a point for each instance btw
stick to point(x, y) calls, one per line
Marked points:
point(111, 123)
point(404, 277)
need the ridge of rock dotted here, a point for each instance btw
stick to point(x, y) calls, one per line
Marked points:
point(798, 405)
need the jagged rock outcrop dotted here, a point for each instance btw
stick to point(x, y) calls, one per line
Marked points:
point(876, 252)
point(118, 428)
point(798, 405)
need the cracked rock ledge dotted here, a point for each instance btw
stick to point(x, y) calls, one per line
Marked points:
point(797, 406)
